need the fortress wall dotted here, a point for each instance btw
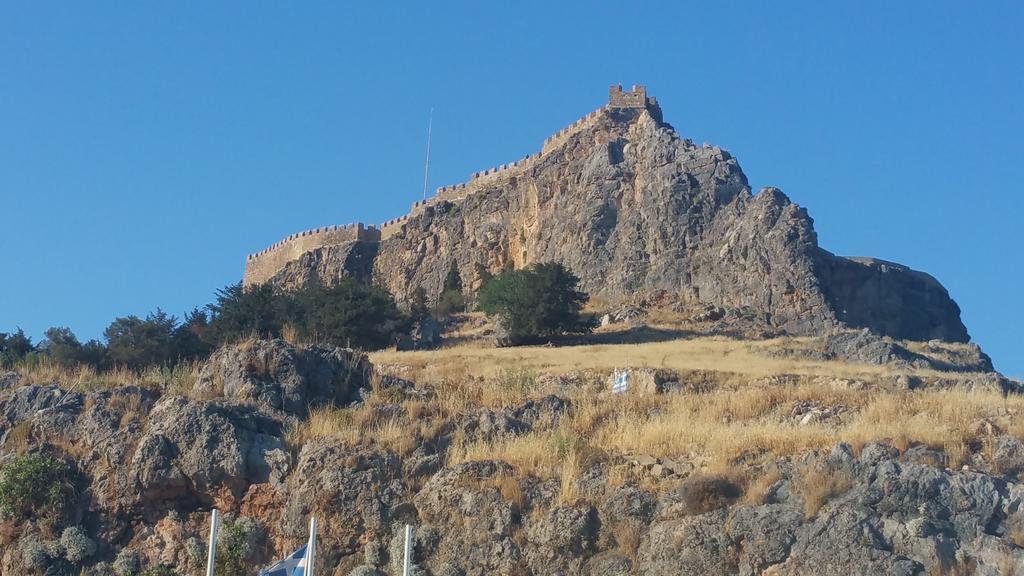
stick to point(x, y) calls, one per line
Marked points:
point(497, 176)
point(261, 266)
point(562, 136)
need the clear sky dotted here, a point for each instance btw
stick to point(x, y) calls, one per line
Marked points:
point(147, 147)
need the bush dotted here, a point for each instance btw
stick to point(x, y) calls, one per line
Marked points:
point(126, 563)
point(34, 554)
point(235, 544)
point(63, 347)
point(159, 570)
point(14, 347)
point(536, 302)
point(706, 492)
point(239, 312)
point(34, 486)
point(136, 343)
point(349, 314)
point(451, 299)
point(76, 544)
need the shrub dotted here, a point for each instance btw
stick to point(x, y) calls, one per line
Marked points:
point(536, 302)
point(34, 485)
point(14, 347)
point(76, 544)
point(34, 554)
point(451, 299)
point(63, 347)
point(136, 343)
point(351, 314)
point(239, 312)
point(236, 543)
point(126, 563)
point(706, 492)
point(158, 570)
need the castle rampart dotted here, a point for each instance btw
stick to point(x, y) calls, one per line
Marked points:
point(262, 266)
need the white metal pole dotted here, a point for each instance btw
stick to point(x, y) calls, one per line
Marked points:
point(311, 547)
point(407, 566)
point(211, 556)
point(426, 166)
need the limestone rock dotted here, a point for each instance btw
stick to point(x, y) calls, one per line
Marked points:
point(280, 376)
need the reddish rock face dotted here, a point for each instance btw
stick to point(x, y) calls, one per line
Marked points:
point(628, 205)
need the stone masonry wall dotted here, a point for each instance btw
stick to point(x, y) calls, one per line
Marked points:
point(261, 266)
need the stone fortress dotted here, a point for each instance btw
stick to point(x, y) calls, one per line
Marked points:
point(261, 266)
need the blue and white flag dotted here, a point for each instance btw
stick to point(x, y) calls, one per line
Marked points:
point(620, 382)
point(294, 565)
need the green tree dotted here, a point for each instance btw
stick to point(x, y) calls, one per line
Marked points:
point(14, 347)
point(349, 313)
point(260, 310)
point(63, 347)
point(136, 342)
point(193, 339)
point(536, 302)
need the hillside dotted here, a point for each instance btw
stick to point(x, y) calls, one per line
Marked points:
point(828, 455)
point(630, 206)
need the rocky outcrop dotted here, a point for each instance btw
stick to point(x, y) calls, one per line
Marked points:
point(176, 457)
point(280, 376)
point(629, 206)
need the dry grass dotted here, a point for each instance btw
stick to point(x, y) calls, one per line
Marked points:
point(744, 414)
point(627, 537)
point(817, 485)
point(717, 354)
point(178, 380)
point(756, 493)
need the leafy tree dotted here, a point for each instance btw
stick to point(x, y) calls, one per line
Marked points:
point(349, 313)
point(14, 347)
point(193, 339)
point(260, 310)
point(33, 486)
point(137, 342)
point(63, 347)
point(536, 302)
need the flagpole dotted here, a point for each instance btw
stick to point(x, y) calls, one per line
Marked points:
point(407, 565)
point(426, 166)
point(311, 547)
point(211, 556)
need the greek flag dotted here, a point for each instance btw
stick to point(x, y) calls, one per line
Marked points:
point(620, 383)
point(294, 565)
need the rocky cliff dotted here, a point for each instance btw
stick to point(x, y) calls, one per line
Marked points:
point(272, 433)
point(629, 205)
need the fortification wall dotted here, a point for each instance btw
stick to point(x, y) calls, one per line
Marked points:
point(261, 266)
point(504, 174)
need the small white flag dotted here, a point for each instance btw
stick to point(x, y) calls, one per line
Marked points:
point(620, 381)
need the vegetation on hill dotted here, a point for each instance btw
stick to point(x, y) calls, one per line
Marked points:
point(347, 313)
point(539, 301)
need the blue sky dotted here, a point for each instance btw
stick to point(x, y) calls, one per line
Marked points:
point(146, 147)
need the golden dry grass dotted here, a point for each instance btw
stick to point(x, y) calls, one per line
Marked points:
point(817, 485)
point(745, 414)
point(717, 354)
point(177, 380)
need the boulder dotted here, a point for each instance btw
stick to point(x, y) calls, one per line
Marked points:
point(279, 376)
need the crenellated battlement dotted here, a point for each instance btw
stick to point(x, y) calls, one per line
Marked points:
point(261, 266)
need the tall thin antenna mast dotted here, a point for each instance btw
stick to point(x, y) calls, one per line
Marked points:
point(426, 167)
